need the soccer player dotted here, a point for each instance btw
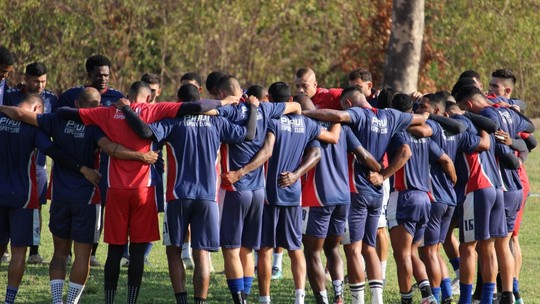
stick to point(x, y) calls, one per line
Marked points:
point(361, 78)
point(131, 194)
point(366, 198)
point(305, 82)
point(35, 81)
point(153, 82)
point(260, 92)
point(502, 83)
point(194, 79)
point(19, 196)
point(212, 81)
point(474, 76)
point(6, 65)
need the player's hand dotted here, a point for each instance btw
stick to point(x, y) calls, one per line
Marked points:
point(231, 177)
point(91, 175)
point(503, 137)
point(149, 157)
point(286, 179)
point(122, 102)
point(253, 100)
point(416, 96)
point(230, 100)
point(376, 179)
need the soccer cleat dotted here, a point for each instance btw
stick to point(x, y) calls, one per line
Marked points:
point(447, 301)
point(36, 259)
point(455, 287)
point(93, 261)
point(124, 262)
point(429, 300)
point(188, 263)
point(338, 300)
point(276, 273)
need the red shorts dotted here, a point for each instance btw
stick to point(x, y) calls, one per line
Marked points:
point(526, 189)
point(131, 212)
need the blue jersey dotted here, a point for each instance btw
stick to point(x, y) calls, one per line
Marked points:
point(236, 155)
point(328, 183)
point(193, 144)
point(18, 143)
point(442, 188)
point(81, 143)
point(293, 133)
point(68, 98)
point(374, 128)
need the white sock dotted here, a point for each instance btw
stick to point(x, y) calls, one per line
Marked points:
point(299, 295)
point(357, 293)
point(74, 293)
point(278, 259)
point(264, 299)
point(186, 251)
point(57, 289)
point(324, 296)
point(383, 270)
point(376, 287)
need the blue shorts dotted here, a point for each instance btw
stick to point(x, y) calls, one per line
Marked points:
point(21, 226)
point(78, 222)
point(41, 178)
point(411, 209)
point(241, 219)
point(364, 214)
point(439, 220)
point(282, 227)
point(202, 215)
point(321, 222)
point(482, 216)
point(512, 203)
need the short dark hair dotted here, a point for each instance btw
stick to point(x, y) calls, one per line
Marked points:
point(224, 83)
point(96, 61)
point(279, 91)
point(505, 74)
point(402, 102)
point(470, 74)
point(188, 93)
point(301, 72)
point(462, 82)
point(212, 81)
point(36, 69)
point(348, 90)
point(444, 94)
point(450, 105)
point(137, 87)
point(192, 76)
point(6, 57)
point(360, 73)
point(384, 100)
point(255, 90)
point(32, 98)
point(466, 93)
point(436, 100)
point(150, 78)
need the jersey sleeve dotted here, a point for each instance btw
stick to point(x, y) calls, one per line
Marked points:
point(160, 111)
point(46, 123)
point(95, 133)
point(163, 128)
point(401, 120)
point(94, 116)
point(273, 126)
point(351, 139)
point(397, 140)
point(467, 142)
point(314, 144)
point(313, 129)
point(273, 109)
point(230, 132)
point(435, 152)
point(232, 113)
point(42, 141)
point(357, 116)
point(521, 124)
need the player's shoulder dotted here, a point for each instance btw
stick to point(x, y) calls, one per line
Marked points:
point(114, 92)
point(49, 94)
point(73, 91)
point(12, 91)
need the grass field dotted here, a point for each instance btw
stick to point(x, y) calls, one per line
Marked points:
point(156, 286)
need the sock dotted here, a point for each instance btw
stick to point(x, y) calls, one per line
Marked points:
point(11, 294)
point(357, 292)
point(376, 287)
point(264, 300)
point(321, 297)
point(515, 289)
point(436, 293)
point(406, 297)
point(148, 249)
point(133, 294)
point(446, 288)
point(278, 258)
point(57, 289)
point(200, 301)
point(506, 298)
point(425, 289)
point(112, 271)
point(186, 251)
point(487, 292)
point(383, 270)
point(181, 297)
point(248, 282)
point(338, 287)
point(236, 287)
point(109, 296)
point(465, 295)
point(299, 296)
point(74, 293)
point(34, 250)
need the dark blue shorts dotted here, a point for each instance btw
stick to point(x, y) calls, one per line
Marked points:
point(41, 177)
point(78, 222)
point(512, 203)
point(482, 216)
point(282, 227)
point(439, 221)
point(321, 222)
point(202, 215)
point(411, 209)
point(364, 214)
point(241, 219)
point(21, 226)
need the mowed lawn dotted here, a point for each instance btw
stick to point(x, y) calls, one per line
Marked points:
point(156, 286)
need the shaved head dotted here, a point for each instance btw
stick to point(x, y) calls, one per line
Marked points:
point(89, 98)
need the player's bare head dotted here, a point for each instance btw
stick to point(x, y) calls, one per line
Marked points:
point(35, 77)
point(384, 100)
point(470, 98)
point(305, 82)
point(474, 75)
point(402, 102)
point(305, 102)
point(98, 70)
point(352, 96)
point(502, 83)
point(6, 62)
point(228, 85)
point(89, 98)
point(32, 102)
point(463, 82)
point(362, 78)
point(260, 92)
point(188, 93)
point(139, 91)
point(193, 78)
point(432, 103)
point(279, 92)
point(212, 81)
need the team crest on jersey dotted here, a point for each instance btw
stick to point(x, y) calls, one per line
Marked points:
point(9, 126)
point(379, 125)
point(75, 129)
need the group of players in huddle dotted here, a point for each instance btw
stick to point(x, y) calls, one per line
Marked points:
point(325, 168)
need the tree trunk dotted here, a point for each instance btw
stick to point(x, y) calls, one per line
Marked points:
point(405, 46)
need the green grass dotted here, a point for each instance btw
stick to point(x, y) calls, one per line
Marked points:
point(156, 286)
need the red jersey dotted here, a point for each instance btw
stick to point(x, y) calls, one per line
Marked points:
point(327, 98)
point(128, 174)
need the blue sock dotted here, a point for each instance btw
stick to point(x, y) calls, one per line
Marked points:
point(455, 263)
point(11, 294)
point(487, 293)
point(446, 288)
point(148, 249)
point(465, 296)
point(248, 281)
point(236, 285)
point(436, 293)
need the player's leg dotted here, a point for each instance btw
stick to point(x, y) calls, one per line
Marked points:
point(277, 263)
point(315, 228)
point(383, 239)
point(79, 271)
point(369, 252)
point(60, 225)
point(331, 244)
point(289, 236)
point(401, 241)
point(264, 275)
point(446, 282)
point(41, 176)
point(175, 227)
